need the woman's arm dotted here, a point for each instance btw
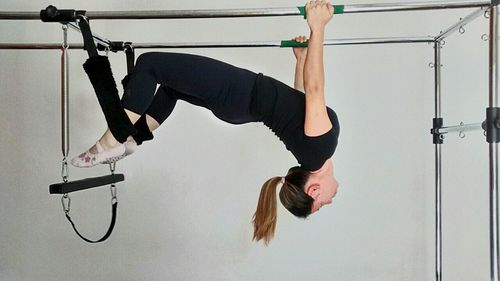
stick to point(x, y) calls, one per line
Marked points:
point(300, 56)
point(316, 121)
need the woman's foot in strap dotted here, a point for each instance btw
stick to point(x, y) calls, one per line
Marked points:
point(130, 147)
point(99, 154)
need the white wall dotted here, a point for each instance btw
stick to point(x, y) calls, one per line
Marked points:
point(189, 196)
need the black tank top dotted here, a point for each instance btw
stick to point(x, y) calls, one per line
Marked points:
point(282, 109)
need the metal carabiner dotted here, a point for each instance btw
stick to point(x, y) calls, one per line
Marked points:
point(114, 198)
point(66, 206)
point(112, 167)
point(65, 36)
point(64, 170)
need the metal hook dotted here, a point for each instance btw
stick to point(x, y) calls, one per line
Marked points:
point(431, 65)
point(65, 44)
point(112, 167)
point(112, 189)
point(64, 170)
point(461, 30)
point(484, 37)
point(487, 13)
point(66, 207)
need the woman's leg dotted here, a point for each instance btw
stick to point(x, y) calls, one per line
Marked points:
point(162, 105)
point(207, 82)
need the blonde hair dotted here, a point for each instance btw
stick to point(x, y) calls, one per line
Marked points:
point(292, 196)
point(264, 219)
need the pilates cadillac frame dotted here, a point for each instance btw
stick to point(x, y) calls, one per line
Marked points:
point(491, 125)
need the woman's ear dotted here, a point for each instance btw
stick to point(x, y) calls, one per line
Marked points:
point(313, 190)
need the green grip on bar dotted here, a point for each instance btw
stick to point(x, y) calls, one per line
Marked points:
point(337, 9)
point(302, 11)
point(293, 44)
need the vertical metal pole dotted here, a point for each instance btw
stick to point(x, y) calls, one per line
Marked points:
point(65, 100)
point(437, 103)
point(493, 151)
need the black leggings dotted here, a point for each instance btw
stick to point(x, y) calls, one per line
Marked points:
point(224, 89)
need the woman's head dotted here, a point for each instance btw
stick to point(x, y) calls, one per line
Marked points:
point(302, 193)
point(292, 194)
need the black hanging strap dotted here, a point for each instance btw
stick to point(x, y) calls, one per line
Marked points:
point(99, 71)
point(108, 233)
point(67, 187)
point(88, 40)
point(129, 52)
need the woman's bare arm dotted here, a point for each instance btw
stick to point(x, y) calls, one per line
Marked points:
point(316, 121)
point(300, 56)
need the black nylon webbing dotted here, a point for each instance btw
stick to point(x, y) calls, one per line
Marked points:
point(88, 40)
point(108, 233)
point(129, 52)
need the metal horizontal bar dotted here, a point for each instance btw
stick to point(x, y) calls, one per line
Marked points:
point(190, 14)
point(328, 42)
point(381, 40)
point(14, 15)
point(257, 12)
point(31, 46)
point(460, 128)
point(415, 6)
point(194, 45)
point(48, 46)
point(463, 21)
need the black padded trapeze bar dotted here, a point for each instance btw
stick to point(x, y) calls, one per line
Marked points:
point(71, 186)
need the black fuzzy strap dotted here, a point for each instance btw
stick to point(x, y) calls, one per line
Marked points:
point(99, 71)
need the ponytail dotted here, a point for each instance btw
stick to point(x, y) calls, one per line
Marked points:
point(292, 196)
point(264, 219)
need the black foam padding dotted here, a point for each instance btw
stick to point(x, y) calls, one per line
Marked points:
point(99, 71)
point(72, 186)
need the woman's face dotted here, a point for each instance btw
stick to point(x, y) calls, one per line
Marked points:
point(322, 186)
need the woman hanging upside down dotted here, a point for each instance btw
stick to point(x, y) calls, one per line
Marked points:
point(299, 117)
